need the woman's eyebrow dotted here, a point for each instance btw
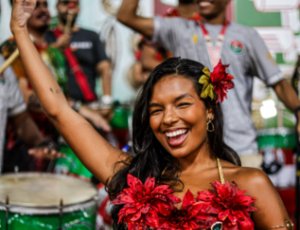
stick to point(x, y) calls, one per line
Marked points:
point(183, 96)
point(153, 105)
point(175, 100)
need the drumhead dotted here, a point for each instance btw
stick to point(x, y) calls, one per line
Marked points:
point(23, 210)
point(44, 190)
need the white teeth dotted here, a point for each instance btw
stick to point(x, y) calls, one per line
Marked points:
point(204, 4)
point(175, 133)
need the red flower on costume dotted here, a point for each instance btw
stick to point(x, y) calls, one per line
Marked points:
point(186, 218)
point(150, 205)
point(144, 203)
point(221, 81)
point(229, 206)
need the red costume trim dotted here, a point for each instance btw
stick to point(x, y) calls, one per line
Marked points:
point(151, 205)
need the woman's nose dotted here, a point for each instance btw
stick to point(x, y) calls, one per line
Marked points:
point(169, 117)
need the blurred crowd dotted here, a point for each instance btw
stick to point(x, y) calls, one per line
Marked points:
point(76, 57)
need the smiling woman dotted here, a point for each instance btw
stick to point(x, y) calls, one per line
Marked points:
point(178, 141)
point(170, 125)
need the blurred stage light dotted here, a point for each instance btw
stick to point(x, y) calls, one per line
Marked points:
point(268, 109)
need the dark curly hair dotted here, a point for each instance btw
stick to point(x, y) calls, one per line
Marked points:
point(151, 158)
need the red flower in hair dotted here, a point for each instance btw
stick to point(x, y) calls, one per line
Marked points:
point(221, 81)
point(144, 203)
point(229, 206)
point(188, 217)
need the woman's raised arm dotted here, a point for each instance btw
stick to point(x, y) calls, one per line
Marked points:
point(96, 154)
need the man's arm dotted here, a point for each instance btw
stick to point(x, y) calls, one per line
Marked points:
point(62, 42)
point(92, 116)
point(29, 96)
point(29, 133)
point(288, 96)
point(127, 15)
point(27, 129)
point(103, 69)
point(265, 67)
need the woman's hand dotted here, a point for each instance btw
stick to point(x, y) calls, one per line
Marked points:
point(21, 12)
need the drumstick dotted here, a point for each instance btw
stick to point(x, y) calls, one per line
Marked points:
point(70, 18)
point(10, 60)
point(68, 26)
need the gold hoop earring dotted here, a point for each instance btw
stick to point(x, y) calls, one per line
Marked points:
point(212, 126)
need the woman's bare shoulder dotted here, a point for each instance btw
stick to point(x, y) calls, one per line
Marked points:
point(246, 177)
point(257, 184)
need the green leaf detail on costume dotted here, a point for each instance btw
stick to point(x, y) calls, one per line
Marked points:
point(217, 226)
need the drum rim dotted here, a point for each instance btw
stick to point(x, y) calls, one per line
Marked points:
point(48, 210)
point(94, 197)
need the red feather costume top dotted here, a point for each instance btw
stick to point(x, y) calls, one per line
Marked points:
point(151, 205)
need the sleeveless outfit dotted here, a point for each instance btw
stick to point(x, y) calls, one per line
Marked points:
point(151, 206)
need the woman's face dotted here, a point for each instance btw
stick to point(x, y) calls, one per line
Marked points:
point(177, 116)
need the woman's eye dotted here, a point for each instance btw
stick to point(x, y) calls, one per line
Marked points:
point(155, 111)
point(183, 104)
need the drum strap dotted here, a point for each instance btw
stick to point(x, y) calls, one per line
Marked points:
point(80, 77)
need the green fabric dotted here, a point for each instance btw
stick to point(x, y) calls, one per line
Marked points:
point(59, 63)
point(121, 118)
point(71, 164)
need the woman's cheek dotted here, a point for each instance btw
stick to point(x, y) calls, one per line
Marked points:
point(191, 115)
point(155, 122)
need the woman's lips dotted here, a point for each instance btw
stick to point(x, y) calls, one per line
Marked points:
point(177, 140)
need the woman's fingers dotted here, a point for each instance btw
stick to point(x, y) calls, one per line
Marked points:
point(21, 12)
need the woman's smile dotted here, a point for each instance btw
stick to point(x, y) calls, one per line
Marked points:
point(176, 137)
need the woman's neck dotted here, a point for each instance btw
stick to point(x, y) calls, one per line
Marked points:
point(198, 160)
